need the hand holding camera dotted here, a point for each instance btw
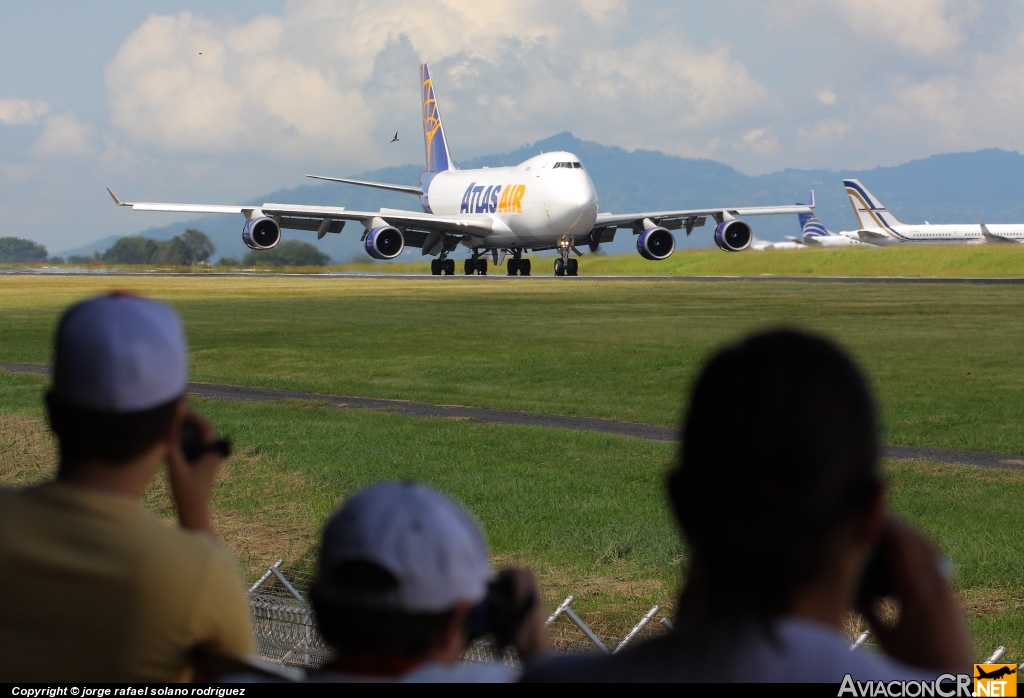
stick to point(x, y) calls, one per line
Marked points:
point(511, 613)
point(930, 631)
point(192, 462)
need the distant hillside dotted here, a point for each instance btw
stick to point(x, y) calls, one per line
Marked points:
point(958, 187)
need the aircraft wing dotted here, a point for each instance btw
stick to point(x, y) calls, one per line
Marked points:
point(375, 185)
point(300, 217)
point(692, 218)
point(873, 237)
point(990, 236)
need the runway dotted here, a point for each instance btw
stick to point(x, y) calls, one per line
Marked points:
point(217, 391)
point(54, 271)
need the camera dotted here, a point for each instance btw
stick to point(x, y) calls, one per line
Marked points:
point(877, 580)
point(192, 445)
point(500, 614)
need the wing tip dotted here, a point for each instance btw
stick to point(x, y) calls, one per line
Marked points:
point(113, 196)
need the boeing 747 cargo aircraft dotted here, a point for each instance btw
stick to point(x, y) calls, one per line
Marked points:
point(547, 202)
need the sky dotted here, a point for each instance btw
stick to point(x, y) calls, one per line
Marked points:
point(181, 100)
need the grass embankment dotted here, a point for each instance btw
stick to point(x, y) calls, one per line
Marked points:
point(945, 360)
point(586, 511)
point(906, 261)
point(924, 261)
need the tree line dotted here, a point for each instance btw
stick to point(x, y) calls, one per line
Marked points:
point(191, 248)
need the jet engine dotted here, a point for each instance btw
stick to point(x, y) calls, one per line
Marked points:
point(655, 244)
point(385, 242)
point(733, 236)
point(261, 233)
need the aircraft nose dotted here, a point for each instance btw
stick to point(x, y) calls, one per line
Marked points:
point(583, 195)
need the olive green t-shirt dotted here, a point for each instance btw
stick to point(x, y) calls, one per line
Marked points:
point(95, 587)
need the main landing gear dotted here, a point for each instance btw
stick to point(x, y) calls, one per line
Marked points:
point(476, 265)
point(443, 265)
point(518, 265)
point(564, 266)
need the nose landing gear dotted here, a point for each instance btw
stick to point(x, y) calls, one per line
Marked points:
point(564, 266)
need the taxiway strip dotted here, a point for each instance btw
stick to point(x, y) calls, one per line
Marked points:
point(218, 391)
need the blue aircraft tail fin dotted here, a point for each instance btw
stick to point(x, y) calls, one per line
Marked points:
point(810, 226)
point(438, 158)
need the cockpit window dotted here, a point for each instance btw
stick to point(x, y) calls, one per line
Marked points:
point(577, 165)
point(568, 165)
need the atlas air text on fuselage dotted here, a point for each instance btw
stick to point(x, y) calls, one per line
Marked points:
point(494, 198)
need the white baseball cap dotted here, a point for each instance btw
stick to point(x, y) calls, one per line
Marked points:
point(427, 541)
point(119, 353)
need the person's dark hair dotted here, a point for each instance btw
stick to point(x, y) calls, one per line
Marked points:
point(84, 434)
point(780, 448)
point(353, 603)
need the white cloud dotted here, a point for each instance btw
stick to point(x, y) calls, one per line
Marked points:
point(977, 107)
point(760, 141)
point(924, 27)
point(22, 111)
point(824, 130)
point(325, 76)
point(827, 96)
point(64, 136)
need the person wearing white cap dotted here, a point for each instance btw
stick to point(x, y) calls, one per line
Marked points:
point(404, 584)
point(96, 586)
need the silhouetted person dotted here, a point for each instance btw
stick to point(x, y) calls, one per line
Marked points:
point(403, 585)
point(780, 501)
point(95, 586)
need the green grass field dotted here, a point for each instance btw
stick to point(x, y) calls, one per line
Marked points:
point(585, 510)
point(945, 359)
point(925, 261)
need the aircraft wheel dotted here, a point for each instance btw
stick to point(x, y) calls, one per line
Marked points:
point(559, 268)
point(513, 267)
point(573, 268)
point(470, 267)
point(435, 267)
point(449, 267)
point(524, 267)
point(481, 266)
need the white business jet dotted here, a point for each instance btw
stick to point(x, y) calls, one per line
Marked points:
point(879, 227)
point(547, 202)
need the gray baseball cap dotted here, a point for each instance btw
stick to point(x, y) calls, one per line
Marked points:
point(119, 353)
point(430, 544)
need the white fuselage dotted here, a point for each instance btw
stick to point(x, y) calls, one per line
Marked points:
point(534, 204)
point(958, 233)
point(842, 239)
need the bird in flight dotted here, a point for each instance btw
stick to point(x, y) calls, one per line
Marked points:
point(395, 139)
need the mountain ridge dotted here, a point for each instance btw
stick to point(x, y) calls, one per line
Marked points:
point(942, 188)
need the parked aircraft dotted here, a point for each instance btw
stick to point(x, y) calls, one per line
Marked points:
point(547, 202)
point(813, 233)
point(879, 227)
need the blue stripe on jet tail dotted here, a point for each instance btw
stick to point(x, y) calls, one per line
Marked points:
point(874, 206)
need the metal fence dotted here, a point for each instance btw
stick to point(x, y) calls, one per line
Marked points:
point(286, 632)
point(283, 622)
